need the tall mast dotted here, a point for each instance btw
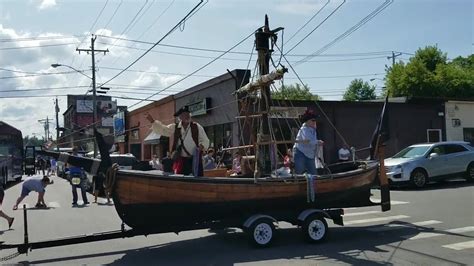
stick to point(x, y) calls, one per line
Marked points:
point(262, 45)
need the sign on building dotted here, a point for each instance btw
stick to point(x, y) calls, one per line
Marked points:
point(84, 106)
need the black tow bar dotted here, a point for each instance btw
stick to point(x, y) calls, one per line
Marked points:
point(24, 247)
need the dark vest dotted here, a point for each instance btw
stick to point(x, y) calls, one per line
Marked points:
point(177, 134)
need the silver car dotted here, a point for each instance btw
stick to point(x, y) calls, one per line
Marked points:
point(421, 163)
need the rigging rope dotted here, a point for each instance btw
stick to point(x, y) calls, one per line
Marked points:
point(316, 102)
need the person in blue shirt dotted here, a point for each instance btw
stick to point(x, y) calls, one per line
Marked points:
point(77, 179)
point(304, 150)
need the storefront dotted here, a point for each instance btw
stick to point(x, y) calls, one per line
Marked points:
point(213, 105)
point(142, 141)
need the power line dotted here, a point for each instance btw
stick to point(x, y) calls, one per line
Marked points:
point(130, 25)
point(37, 46)
point(156, 20)
point(113, 15)
point(243, 60)
point(41, 38)
point(37, 74)
point(349, 31)
point(169, 32)
point(197, 70)
point(319, 11)
point(247, 53)
point(319, 25)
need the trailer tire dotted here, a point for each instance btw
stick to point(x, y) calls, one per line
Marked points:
point(315, 228)
point(261, 232)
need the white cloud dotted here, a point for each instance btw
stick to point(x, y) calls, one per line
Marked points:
point(45, 4)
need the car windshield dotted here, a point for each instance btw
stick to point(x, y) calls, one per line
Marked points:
point(412, 152)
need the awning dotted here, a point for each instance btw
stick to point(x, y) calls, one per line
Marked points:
point(152, 138)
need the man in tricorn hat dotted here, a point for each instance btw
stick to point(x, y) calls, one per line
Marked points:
point(189, 140)
point(304, 150)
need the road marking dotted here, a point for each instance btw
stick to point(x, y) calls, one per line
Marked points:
point(379, 219)
point(429, 235)
point(53, 204)
point(392, 202)
point(360, 213)
point(461, 245)
point(389, 227)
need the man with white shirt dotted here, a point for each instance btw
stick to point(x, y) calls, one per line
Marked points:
point(189, 140)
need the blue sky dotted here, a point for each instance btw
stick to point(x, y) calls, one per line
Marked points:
point(43, 25)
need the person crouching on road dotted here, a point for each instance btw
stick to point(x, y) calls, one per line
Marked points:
point(34, 184)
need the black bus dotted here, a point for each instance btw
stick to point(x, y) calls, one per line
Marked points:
point(11, 153)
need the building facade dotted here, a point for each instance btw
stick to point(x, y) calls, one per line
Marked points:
point(141, 141)
point(78, 121)
point(460, 120)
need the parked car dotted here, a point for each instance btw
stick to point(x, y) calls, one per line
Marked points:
point(125, 161)
point(422, 163)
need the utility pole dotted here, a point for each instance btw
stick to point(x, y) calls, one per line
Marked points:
point(45, 123)
point(94, 94)
point(393, 57)
point(57, 124)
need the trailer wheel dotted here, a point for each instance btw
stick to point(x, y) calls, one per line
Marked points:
point(261, 232)
point(315, 228)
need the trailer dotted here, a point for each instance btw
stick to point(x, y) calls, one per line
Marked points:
point(259, 228)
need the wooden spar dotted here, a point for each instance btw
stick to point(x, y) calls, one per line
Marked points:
point(263, 81)
point(238, 147)
point(260, 114)
point(264, 143)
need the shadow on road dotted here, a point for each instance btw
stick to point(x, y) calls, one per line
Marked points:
point(231, 248)
point(445, 184)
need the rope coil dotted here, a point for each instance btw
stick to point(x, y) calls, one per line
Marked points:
point(110, 178)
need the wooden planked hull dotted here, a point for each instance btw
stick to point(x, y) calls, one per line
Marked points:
point(150, 201)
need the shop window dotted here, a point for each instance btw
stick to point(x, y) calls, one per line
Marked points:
point(134, 134)
point(469, 135)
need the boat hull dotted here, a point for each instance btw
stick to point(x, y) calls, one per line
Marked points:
point(150, 201)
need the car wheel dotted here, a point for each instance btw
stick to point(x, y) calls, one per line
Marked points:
point(315, 229)
point(261, 232)
point(470, 172)
point(419, 178)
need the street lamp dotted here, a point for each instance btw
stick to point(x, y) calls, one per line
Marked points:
point(94, 96)
point(78, 71)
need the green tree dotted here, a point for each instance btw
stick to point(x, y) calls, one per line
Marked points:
point(32, 141)
point(428, 74)
point(359, 90)
point(294, 92)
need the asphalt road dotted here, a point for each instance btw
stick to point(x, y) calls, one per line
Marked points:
point(434, 226)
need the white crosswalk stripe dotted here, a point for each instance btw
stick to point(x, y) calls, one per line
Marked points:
point(461, 245)
point(375, 200)
point(359, 213)
point(378, 219)
point(389, 227)
point(444, 233)
point(53, 204)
